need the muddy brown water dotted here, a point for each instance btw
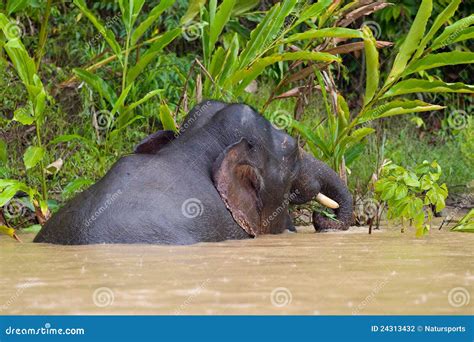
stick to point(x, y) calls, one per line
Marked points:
point(304, 273)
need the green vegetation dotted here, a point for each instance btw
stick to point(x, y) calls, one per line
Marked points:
point(408, 194)
point(81, 82)
point(466, 224)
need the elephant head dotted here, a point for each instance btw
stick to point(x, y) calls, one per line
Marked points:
point(257, 169)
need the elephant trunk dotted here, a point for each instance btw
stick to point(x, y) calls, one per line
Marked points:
point(316, 179)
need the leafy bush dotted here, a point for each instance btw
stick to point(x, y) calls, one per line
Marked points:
point(409, 194)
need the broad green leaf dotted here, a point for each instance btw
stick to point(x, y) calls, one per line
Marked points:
point(221, 18)
point(412, 40)
point(439, 60)
point(230, 61)
point(130, 10)
point(24, 64)
point(193, 9)
point(313, 11)
point(98, 84)
point(9, 231)
point(5, 183)
point(411, 179)
point(401, 191)
point(388, 191)
point(119, 104)
point(243, 6)
point(338, 32)
point(266, 31)
point(371, 65)
point(33, 155)
point(246, 75)
point(152, 17)
point(355, 137)
point(145, 98)
point(353, 153)
point(166, 117)
point(361, 133)
point(424, 86)
point(7, 194)
point(397, 108)
point(23, 116)
point(124, 125)
point(452, 32)
point(16, 5)
point(39, 100)
point(105, 32)
point(311, 136)
point(151, 54)
point(217, 62)
point(466, 34)
point(215, 67)
point(3, 152)
point(443, 17)
point(75, 186)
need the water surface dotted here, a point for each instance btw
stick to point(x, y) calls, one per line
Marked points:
point(304, 273)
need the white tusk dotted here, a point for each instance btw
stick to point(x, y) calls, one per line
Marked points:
point(326, 201)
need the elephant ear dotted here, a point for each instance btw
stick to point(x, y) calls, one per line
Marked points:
point(154, 142)
point(240, 184)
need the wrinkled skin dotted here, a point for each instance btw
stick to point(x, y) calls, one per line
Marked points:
point(229, 174)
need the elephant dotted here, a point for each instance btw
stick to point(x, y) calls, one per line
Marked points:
point(227, 173)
